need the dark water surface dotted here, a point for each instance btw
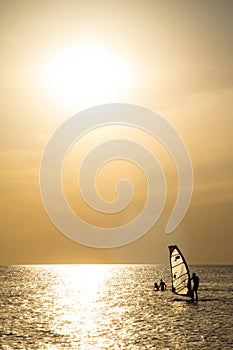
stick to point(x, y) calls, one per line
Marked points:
point(112, 307)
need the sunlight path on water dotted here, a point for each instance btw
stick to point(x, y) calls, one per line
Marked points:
point(98, 307)
point(78, 304)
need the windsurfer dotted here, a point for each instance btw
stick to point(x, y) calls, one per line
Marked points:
point(195, 280)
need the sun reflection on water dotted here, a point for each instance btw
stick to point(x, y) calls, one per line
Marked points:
point(78, 292)
point(90, 307)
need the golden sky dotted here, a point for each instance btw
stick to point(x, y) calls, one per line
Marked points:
point(59, 57)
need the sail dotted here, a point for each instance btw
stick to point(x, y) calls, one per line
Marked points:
point(181, 283)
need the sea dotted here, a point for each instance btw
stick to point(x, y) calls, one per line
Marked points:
point(112, 307)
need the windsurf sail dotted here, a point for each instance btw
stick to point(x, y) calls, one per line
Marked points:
point(181, 282)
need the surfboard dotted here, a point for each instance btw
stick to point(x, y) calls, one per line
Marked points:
point(186, 300)
point(194, 301)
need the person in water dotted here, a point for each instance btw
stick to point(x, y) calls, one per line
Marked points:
point(156, 286)
point(162, 285)
point(195, 280)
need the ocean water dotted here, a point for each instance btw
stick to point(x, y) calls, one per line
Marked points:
point(112, 307)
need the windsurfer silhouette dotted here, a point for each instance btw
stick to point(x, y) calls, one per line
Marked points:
point(195, 280)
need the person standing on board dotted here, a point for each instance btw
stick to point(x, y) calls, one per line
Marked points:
point(162, 285)
point(195, 280)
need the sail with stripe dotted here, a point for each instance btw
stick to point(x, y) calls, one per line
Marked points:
point(181, 282)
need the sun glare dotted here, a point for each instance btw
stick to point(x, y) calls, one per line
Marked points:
point(87, 74)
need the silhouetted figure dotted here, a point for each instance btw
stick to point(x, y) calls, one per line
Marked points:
point(156, 286)
point(162, 285)
point(195, 280)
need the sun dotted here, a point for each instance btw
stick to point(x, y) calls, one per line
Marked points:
point(87, 74)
